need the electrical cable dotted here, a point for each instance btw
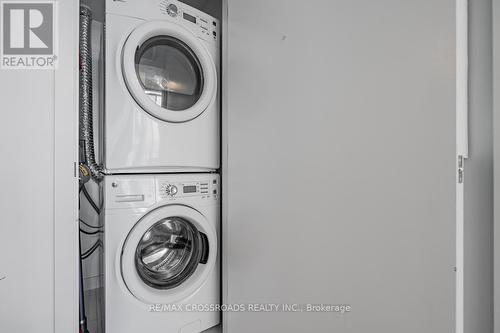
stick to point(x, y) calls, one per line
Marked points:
point(91, 252)
point(91, 232)
point(90, 200)
point(90, 226)
point(92, 249)
point(83, 316)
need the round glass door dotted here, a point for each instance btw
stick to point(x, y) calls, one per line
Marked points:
point(169, 72)
point(169, 253)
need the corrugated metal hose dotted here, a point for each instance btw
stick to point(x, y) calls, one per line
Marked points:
point(86, 107)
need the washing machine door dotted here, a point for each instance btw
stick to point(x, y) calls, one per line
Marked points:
point(169, 71)
point(168, 255)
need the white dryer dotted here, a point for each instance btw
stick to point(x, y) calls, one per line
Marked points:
point(162, 269)
point(162, 103)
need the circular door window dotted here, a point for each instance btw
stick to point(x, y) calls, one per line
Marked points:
point(168, 255)
point(169, 71)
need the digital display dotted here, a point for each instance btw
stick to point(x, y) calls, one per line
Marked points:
point(189, 18)
point(189, 189)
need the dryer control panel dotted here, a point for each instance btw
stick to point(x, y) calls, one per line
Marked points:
point(205, 26)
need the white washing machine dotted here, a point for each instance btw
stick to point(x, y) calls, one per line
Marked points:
point(162, 108)
point(162, 270)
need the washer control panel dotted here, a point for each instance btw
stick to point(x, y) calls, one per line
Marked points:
point(144, 191)
point(206, 189)
point(206, 26)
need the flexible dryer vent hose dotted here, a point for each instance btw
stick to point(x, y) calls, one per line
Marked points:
point(86, 107)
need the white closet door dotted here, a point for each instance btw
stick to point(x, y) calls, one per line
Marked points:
point(339, 165)
point(38, 188)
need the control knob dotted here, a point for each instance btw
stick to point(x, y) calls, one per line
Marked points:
point(172, 10)
point(171, 190)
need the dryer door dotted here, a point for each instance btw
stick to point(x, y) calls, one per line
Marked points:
point(169, 71)
point(168, 255)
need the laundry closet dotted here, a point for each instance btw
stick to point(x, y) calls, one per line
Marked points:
point(235, 166)
point(150, 137)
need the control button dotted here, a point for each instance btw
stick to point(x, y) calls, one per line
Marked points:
point(172, 10)
point(171, 190)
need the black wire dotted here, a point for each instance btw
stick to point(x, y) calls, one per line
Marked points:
point(91, 232)
point(90, 200)
point(92, 249)
point(90, 226)
point(98, 243)
point(92, 252)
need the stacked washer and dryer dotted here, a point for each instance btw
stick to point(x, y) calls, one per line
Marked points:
point(160, 153)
